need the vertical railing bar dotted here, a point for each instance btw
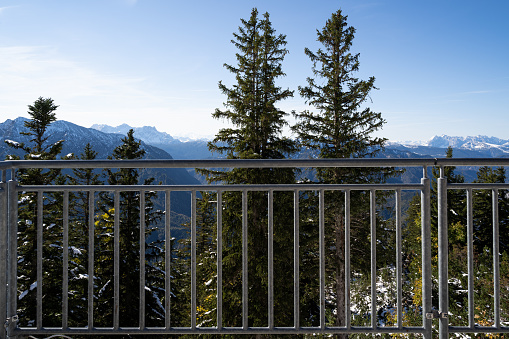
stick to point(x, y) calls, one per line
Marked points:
point(90, 268)
point(496, 259)
point(245, 280)
point(12, 254)
point(470, 258)
point(426, 252)
point(40, 203)
point(4, 245)
point(321, 235)
point(142, 260)
point(372, 214)
point(167, 260)
point(116, 261)
point(270, 263)
point(296, 261)
point(219, 302)
point(443, 256)
point(65, 270)
point(348, 310)
point(193, 259)
point(399, 260)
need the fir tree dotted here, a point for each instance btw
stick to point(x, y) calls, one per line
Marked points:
point(456, 211)
point(341, 128)
point(483, 205)
point(42, 114)
point(256, 134)
point(78, 236)
point(84, 176)
point(206, 277)
point(129, 217)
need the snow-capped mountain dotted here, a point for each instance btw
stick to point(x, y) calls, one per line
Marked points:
point(149, 134)
point(179, 149)
point(76, 137)
point(463, 147)
point(480, 142)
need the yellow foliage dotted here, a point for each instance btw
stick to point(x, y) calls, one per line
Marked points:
point(210, 297)
point(392, 320)
point(483, 320)
point(417, 289)
point(105, 218)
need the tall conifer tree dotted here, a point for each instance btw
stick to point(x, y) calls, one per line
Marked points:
point(42, 114)
point(78, 236)
point(483, 204)
point(256, 134)
point(129, 232)
point(341, 127)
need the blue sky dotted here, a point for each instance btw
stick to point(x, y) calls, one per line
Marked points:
point(442, 67)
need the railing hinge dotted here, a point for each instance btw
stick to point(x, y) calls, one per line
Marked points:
point(436, 315)
point(9, 320)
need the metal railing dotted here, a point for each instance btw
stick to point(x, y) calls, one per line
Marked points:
point(9, 295)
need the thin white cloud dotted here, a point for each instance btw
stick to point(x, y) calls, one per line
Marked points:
point(34, 68)
point(466, 93)
point(130, 2)
point(28, 72)
point(5, 8)
point(477, 92)
point(87, 95)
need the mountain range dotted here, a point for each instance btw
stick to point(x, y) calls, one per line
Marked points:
point(480, 146)
point(161, 145)
point(463, 147)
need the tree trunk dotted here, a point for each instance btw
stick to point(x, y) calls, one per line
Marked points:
point(339, 268)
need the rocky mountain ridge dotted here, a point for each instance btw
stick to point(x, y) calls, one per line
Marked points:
point(464, 146)
point(179, 149)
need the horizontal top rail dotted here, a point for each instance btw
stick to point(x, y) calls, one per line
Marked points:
point(216, 330)
point(219, 188)
point(253, 163)
point(478, 185)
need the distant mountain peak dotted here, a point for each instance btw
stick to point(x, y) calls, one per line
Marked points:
point(468, 142)
point(124, 126)
point(148, 134)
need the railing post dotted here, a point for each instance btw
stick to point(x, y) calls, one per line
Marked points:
point(3, 255)
point(496, 259)
point(443, 256)
point(12, 228)
point(426, 252)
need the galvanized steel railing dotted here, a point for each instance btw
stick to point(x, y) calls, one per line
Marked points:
point(9, 190)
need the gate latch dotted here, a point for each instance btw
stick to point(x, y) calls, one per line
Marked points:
point(10, 320)
point(436, 315)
